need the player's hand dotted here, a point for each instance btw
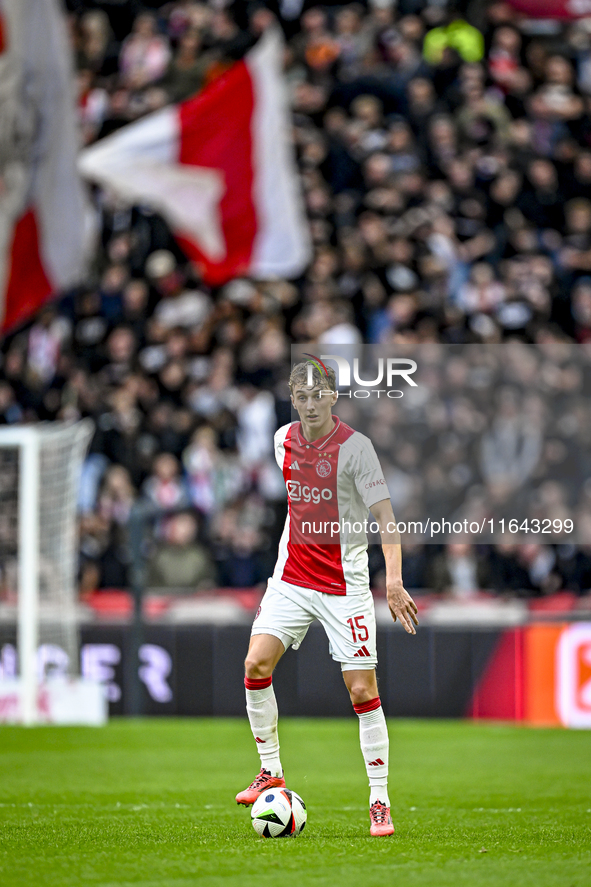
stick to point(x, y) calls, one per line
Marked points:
point(402, 606)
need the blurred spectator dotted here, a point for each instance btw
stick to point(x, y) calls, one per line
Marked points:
point(237, 537)
point(581, 309)
point(458, 571)
point(187, 69)
point(178, 306)
point(459, 36)
point(96, 46)
point(504, 56)
point(117, 496)
point(525, 569)
point(214, 477)
point(575, 566)
point(164, 487)
point(256, 426)
point(180, 562)
point(481, 293)
point(511, 449)
point(10, 411)
point(144, 54)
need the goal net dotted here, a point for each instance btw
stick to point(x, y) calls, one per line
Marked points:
point(40, 468)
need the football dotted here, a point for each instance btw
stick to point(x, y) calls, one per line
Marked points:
point(278, 813)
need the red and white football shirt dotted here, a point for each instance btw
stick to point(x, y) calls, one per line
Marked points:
point(331, 483)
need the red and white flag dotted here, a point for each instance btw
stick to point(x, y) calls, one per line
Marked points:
point(219, 167)
point(43, 213)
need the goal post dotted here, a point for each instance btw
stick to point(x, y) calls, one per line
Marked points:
point(41, 467)
point(28, 571)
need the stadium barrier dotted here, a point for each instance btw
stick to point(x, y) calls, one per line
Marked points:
point(538, 673)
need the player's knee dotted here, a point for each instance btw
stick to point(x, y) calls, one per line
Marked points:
point(361, 692)
point(257, 667)
point(361, 685)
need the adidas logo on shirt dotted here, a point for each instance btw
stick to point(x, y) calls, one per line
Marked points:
point(295, 465)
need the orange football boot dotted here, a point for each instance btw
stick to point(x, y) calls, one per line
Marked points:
point(380, 819)
point(263, 781)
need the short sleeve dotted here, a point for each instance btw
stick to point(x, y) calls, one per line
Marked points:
point(279, 449)
point(368, 474)
point(279, 444)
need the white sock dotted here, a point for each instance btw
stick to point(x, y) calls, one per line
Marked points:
point(261, 707)
point(373, 737)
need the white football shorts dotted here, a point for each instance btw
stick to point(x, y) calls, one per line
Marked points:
point(287, 611)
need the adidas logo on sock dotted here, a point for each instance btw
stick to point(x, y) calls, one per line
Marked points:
point(256, 739)
point(362, 651)
point(377, 763)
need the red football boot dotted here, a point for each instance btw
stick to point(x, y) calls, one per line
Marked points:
point(263, 781)
point(380, 819)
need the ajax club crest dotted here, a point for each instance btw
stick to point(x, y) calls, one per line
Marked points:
point(323, 468)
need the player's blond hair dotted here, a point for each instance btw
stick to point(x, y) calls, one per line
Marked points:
point(320, 377)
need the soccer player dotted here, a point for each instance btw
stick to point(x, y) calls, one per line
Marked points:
point(333, 477)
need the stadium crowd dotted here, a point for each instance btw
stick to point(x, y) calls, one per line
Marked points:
point(445, 158)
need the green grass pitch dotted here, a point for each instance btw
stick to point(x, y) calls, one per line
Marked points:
point(151, 802)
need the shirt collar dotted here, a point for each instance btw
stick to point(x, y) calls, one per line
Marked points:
point(321, 441)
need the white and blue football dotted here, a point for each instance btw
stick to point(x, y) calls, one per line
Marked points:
point(278, 813)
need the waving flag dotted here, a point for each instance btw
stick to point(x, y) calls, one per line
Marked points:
point(42, 202)
point(219, 167)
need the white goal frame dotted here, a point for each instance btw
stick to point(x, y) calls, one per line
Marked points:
point(28, 439)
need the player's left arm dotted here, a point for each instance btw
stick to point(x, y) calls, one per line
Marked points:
point(401, 604)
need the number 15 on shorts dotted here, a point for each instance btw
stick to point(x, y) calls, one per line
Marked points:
point(358, 629)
